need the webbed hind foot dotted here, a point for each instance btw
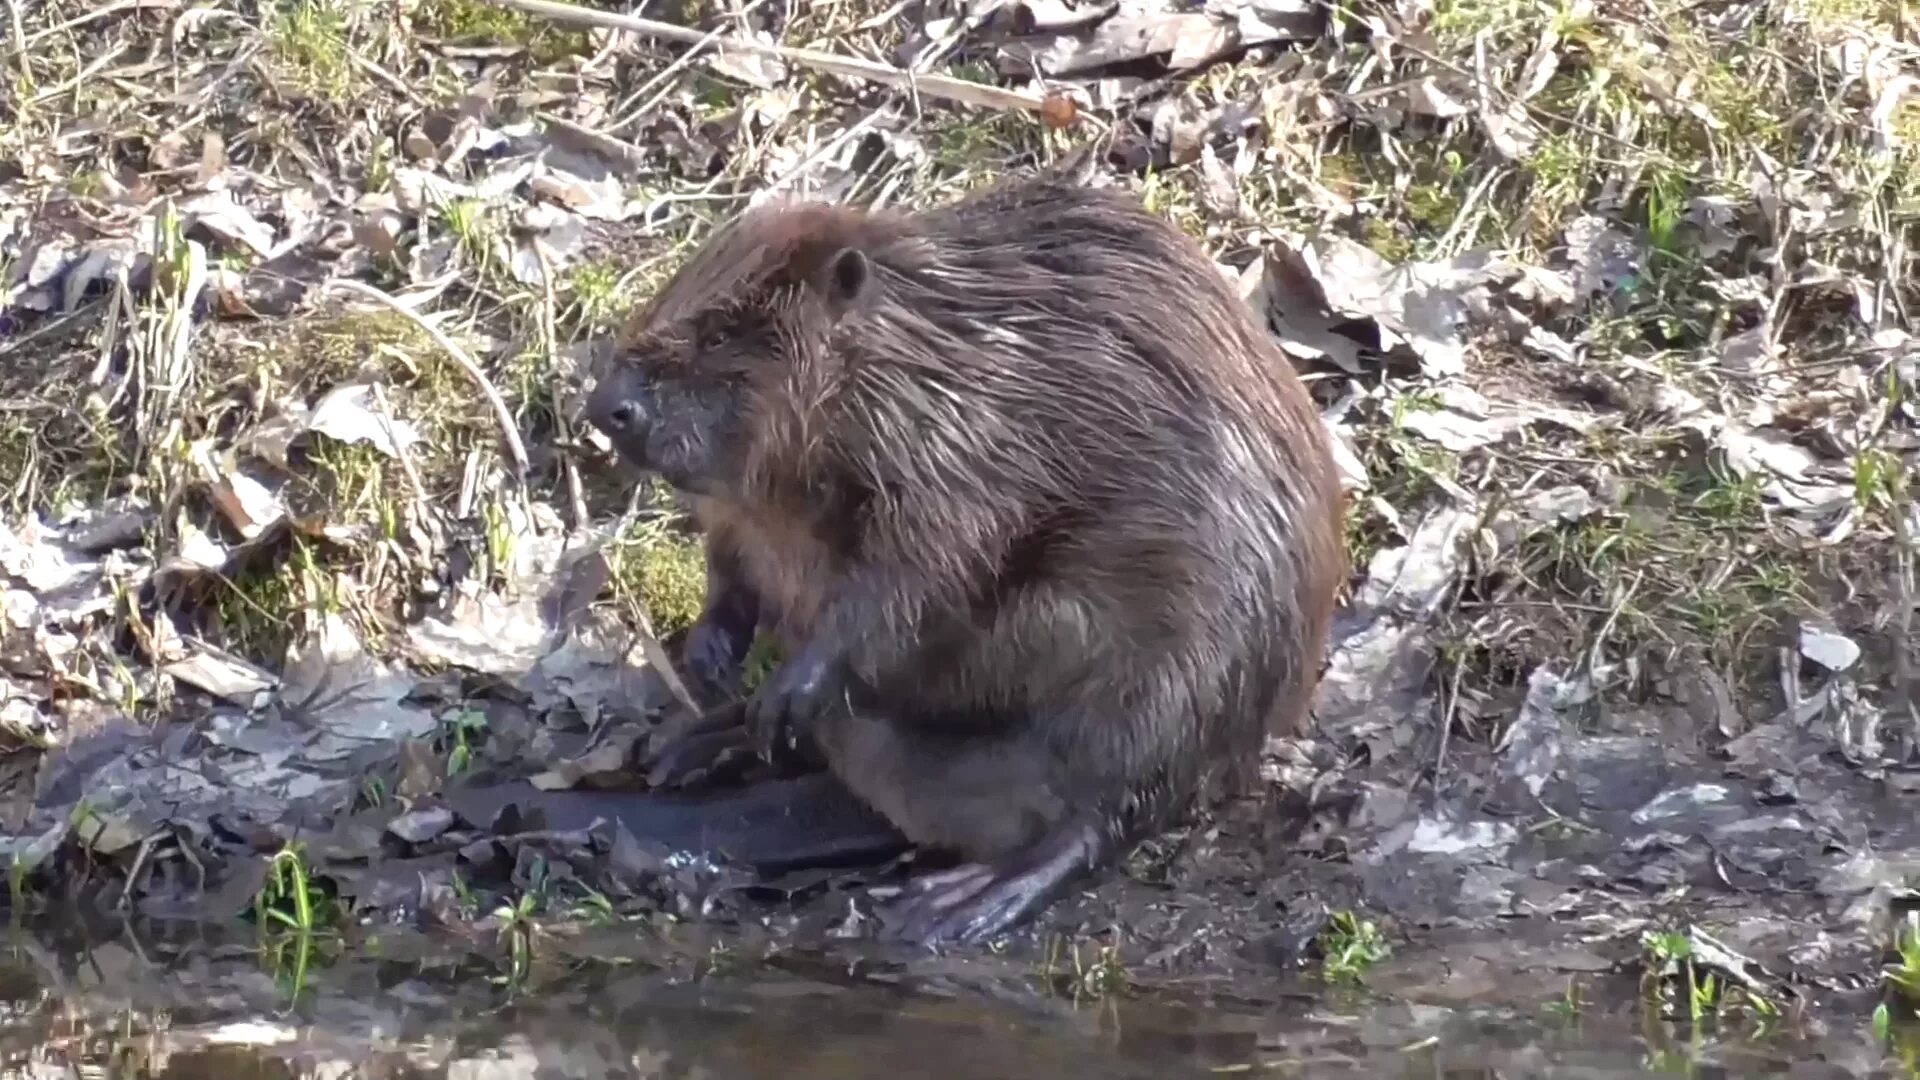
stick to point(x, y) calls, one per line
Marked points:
point(976, 901)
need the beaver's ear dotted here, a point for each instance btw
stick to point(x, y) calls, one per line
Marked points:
point(843, 279)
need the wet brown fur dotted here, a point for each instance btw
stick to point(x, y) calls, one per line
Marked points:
point(1047, 483)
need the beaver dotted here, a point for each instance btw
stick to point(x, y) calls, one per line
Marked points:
point(1045, 520)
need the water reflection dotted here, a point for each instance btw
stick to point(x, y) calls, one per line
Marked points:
point(194, 1006)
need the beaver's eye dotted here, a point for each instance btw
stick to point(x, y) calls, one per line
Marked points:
point(713, 340)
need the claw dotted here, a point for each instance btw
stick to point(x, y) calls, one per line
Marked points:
point(695, 759)
point(966, 908)
point(941, 879)
point(709, 656)
point(971, 903)
point(715, 749)
point(780, 716)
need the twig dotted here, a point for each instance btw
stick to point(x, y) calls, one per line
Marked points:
point(508, 429)
point(1446, 725)
point(657, 657)
point(659, 82)
point(1905, 564)
point(77, 21)
point(20, 47)
point(940, 86)
point(1338, 8)
point(383, 75)
point(1469, 206)
point(140, 857)
point(52, 326)
point(602, 141)
point(550, 342)
point(833, 146)
point(385, 416)
point(81, 77)
point(650, 642)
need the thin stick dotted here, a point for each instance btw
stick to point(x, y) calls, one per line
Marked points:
point(1904, 563)
point(550, 343)
point(382, 74)
point(85, 74)
point(658, 82)
point(386, 416)
point(1446, 726)
point(508, 429)
point(78, 20)
point(940, 86)
point(20, 48)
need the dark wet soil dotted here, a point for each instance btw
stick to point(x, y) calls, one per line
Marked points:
point(1520, 852)
point(1517, 885)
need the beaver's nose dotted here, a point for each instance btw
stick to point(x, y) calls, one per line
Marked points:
point(620, 405)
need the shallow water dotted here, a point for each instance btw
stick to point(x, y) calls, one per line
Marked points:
point(186, 1004)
